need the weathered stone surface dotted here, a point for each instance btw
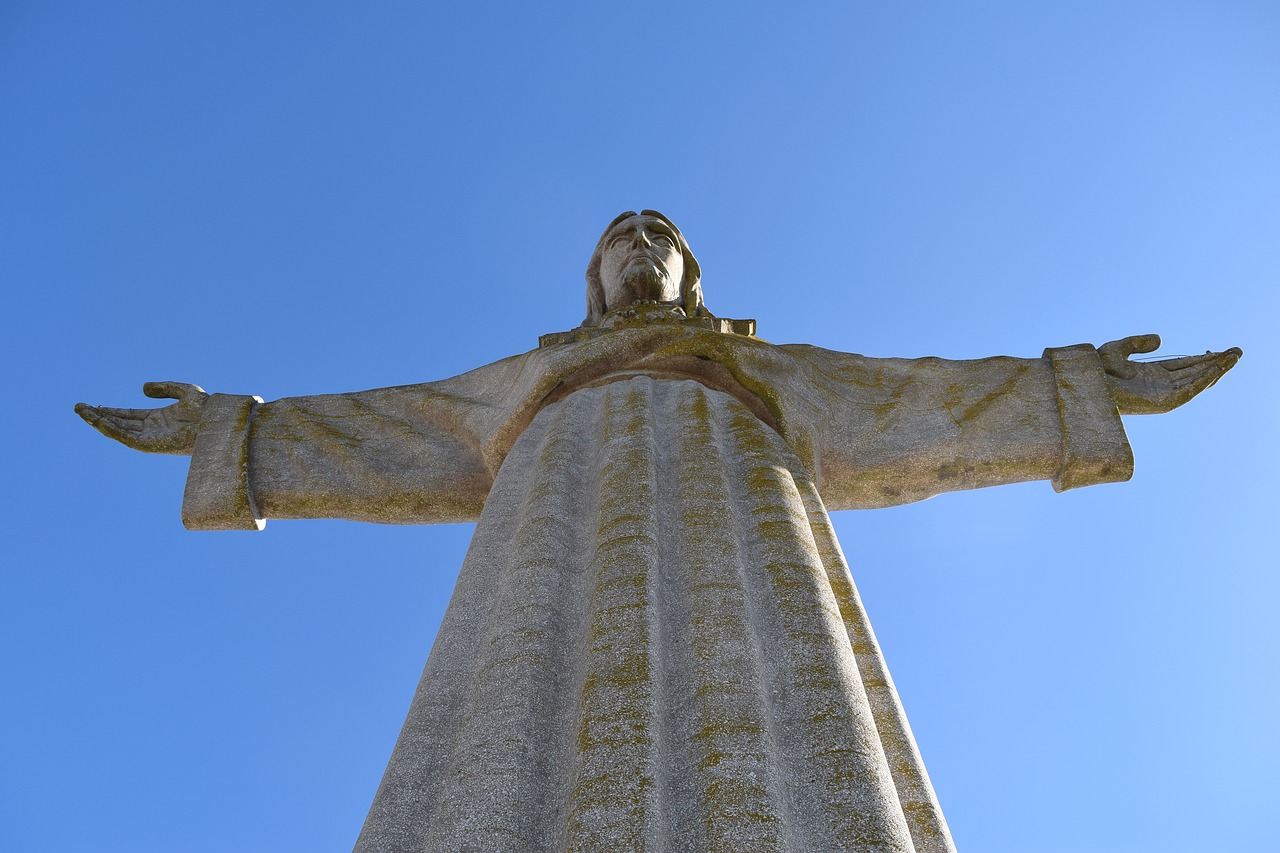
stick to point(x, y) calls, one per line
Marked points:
point(218, 495)
point(655, 642)
point(877, 432)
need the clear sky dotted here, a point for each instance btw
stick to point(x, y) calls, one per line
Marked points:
point(291, 198)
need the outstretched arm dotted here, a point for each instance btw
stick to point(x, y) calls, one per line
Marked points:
point(899, 430)
point(1156, 387)
point(407, 455)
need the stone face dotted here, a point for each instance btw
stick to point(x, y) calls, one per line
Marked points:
point(655, 642)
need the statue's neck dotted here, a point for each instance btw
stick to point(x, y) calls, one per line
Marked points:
point(642, 312)
point(646, 313)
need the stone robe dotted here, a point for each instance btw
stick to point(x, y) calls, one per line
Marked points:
point(655, 642)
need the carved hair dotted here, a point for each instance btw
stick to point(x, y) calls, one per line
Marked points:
point(690, 284)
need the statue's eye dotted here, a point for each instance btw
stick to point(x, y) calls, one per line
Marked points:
point(664, 239)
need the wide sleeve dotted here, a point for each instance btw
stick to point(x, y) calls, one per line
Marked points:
point(408, 455)
point(892, 431)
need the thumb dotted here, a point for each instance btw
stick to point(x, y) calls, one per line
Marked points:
point(1115, 354)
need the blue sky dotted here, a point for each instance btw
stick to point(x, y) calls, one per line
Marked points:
point(294, 198)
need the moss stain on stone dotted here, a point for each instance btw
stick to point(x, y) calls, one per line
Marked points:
point(614, 787)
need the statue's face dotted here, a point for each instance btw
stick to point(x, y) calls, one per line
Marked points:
point(641, 261)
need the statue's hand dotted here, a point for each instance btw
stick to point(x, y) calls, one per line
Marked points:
point(1154, 387)
point(171, 429)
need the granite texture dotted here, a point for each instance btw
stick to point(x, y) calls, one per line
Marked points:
point(655, 642)
point(874, 432)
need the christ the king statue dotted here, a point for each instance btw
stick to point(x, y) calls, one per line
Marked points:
point(654, 642)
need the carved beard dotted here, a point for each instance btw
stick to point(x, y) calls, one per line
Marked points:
point(646, 283)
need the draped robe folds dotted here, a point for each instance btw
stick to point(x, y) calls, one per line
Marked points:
point(654, 641)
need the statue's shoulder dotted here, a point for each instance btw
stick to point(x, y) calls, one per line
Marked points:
point(822, 355)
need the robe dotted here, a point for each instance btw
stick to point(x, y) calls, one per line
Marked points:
point(655, 642)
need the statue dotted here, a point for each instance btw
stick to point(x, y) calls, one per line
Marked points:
point(655, 641)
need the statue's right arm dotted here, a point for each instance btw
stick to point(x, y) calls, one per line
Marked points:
point(405, 455)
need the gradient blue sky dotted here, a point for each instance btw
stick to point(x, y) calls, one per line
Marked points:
point(291, 198)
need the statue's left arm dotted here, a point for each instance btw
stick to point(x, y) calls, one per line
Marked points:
point(892, 431)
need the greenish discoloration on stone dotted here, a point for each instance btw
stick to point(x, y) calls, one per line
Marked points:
point(963, 411)
point(614, 792)
point(655, 642)
point(731, 736)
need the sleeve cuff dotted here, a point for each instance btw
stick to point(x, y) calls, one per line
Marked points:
point(218, 495)
point(1095, 448)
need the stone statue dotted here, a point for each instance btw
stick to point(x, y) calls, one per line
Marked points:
point(655, 642)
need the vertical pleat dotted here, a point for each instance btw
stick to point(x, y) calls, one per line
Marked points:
point(615, 796)
point(490, 722)
point(519, 689)
point(726, 793)
point(653, 645)
point(929, 831)
point(842, 794)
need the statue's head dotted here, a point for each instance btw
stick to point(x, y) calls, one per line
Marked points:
point(642, 257)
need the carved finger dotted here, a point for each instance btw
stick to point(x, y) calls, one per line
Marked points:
point(1193, 380)
point(1174, 364)
point(170, 390)
point(1143, 343)
point(122, 424)
point(90, 414)
point(1193, 374)
point(111, 423)
point(138, 415)
point(1115, 364)
point(1115, 354)
point(1115, 359)
point(1132, 344)
point(121, 419)
point(1219, 363)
